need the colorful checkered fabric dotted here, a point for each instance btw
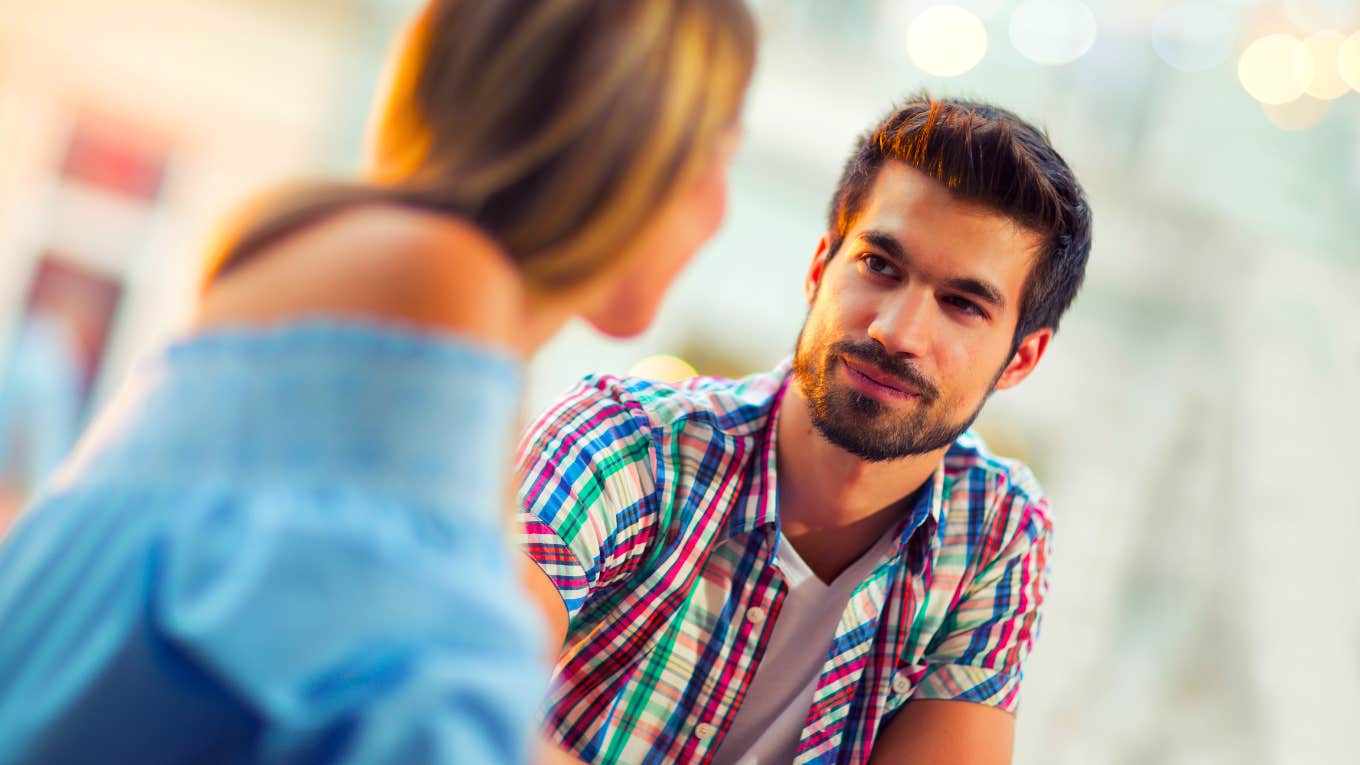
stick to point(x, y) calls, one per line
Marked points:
point(652, 508)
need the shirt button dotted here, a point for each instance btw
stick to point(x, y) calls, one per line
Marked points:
point(755, 614)
point(901, 683)
point(704, 731)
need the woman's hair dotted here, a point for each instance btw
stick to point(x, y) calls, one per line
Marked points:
point(557, 127)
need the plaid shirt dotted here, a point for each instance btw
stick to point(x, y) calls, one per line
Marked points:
point(652, 508)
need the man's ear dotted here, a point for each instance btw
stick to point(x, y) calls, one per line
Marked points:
point(1025, 359)
point(817, 268)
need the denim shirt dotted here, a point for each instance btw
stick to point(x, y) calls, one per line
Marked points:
point(278, 545)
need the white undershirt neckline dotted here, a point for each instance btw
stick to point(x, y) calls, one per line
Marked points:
point(769, 723)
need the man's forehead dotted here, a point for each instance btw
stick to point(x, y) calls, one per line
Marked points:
point(899, 189)
point(901, 193)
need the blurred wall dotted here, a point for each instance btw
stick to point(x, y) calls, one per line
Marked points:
point(238, 95)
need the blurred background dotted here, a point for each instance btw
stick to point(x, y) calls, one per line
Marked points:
point(1195, 422)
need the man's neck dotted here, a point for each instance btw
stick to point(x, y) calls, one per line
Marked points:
point(833, 505)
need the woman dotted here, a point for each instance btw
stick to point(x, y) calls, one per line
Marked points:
point(283, 541)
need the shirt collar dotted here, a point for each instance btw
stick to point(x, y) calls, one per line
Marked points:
point(928, 511)
point(759, 508)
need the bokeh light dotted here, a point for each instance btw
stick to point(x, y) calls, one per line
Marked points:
point(1276, 69)
point(985, 9)
point(1348, 61)
point(1193, 36)
point(1053, 31)
point(1299, 114)
point(663, 368)
point(946, 40)
point(1321, 15)
point(1326, 83)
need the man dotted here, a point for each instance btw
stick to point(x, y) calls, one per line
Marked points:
point(823, 564)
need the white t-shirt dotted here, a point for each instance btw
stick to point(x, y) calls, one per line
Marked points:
point(770, 721)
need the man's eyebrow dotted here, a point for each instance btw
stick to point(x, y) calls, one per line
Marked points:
point(982, 290)
point(978, 289)
point(887, 243)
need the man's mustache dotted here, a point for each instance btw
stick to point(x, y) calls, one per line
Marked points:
point(870, 352)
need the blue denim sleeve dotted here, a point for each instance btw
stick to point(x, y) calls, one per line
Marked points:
point(287, 549)
point(382, 634)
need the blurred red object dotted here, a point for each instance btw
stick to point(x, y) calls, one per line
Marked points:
point(114, 161)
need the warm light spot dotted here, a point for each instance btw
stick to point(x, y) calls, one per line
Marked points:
point(946, 40)
point(1327, 83)
point(1321, 15)
point(1348, 61)
point(662, 368)
point(1299, 114)
point(1053, 31)
point(1276, 69)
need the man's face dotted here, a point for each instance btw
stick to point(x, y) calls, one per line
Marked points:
point(911, 322)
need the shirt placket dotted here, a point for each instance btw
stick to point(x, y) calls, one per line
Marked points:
point(907, 578)
point(758, 609)
point(825, 727)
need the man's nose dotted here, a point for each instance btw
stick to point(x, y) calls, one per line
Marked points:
point(903, 324)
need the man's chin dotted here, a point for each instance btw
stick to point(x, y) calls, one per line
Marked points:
point(863, 432)
point(857, 445)
point(852, 427)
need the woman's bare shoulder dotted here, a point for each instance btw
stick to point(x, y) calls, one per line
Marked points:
point(379, 261)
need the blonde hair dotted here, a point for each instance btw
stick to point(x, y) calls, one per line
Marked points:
point(555, 126)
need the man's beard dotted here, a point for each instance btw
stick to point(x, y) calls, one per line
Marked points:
point(863, 425)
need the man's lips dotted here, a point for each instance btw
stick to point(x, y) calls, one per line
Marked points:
point(877, 379)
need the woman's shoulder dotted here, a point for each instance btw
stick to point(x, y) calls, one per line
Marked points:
point(383, 261)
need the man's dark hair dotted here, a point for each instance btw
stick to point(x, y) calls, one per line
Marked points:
point(988, 156)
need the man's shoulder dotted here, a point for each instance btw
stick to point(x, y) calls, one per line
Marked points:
point(975, 474)
point(737, 406)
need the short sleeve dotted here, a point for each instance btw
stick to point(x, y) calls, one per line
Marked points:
point(361, 629)
point(587, 488)
point(980, 652)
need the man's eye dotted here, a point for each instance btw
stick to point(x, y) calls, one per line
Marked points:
point(878, 265)
point(967, 306)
